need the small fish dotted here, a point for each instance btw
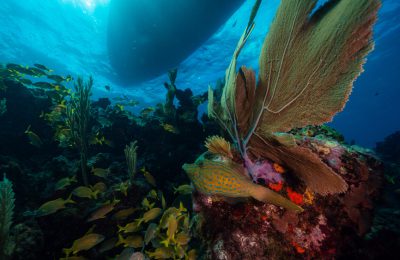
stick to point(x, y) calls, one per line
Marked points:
point(56, 78)
point(163, 202)
point(100, 172)
point(58, 87)
point(53, 206)
point(42, 67)
point(121, 98)
point(146, 204)
point(122, 187)
point(85, 192)
point(150, 215)
point(86, 242)
point(132, 103)
point(13, 66)
point(42, 84)
point(65, 182)
point(68, 78)
point(170, 128)
point(36, 72)
point(172, 227)
point(124, 213)
point(152, 194)
point(103, 211)
point(120, 107)
point(107, 245)
point(228, 179)
point(161, 253)
point(34, 139)
point(134, 241)
point(107, 87)
point(145, 112)
point(73, 258)
point(149, 178)
point(100, 140)
point(25, 81)
point(182, 238)
point(130, 227)
point(192, 255)
point(184, 189)
point(99, 186)
point(151, 233)
point(177, 212)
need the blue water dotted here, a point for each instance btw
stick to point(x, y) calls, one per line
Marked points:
point(69, 36)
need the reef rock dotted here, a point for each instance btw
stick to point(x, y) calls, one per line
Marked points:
point(331, 226)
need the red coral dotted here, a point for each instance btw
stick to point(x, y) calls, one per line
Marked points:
point(276, 186)
point(294, 196)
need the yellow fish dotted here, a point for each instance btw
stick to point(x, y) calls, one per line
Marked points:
point(123, 187)
point(124, 213)
point(100, 172)
point(149, 178)
point(73, 258)
point(150, 215)
point(99, 186)
point(172, 227)
point(163, 202)
point(120, 107)
point(170, 128)
point(192, 255)
point(34, 139)
point(182, 239)
point(65, 182)
point(146, 111)
point(130, 227)
point(86, 242)
point(146, 204)
point(134, 241)
point(184, 189)
point(228, 179)
point(85, 192)
point(152, 194)
point(103, 211)
point(53, 206)
point(161, 253)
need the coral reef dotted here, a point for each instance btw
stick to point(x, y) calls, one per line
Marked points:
point(329, 227)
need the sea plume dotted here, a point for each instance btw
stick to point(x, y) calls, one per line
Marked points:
point(219, 146)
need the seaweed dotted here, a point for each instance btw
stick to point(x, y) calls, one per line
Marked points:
point(78, 113)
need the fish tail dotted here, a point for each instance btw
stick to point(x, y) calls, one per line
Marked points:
point(120, 241)
point(266, 195)
point(67, 252)
point(120, 229)
point(69, 199)
point(28, 129)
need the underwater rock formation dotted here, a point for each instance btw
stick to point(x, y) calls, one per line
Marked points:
point(329, 227)
point(147, 38)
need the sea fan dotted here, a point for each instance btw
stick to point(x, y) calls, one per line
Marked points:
point(308, 64)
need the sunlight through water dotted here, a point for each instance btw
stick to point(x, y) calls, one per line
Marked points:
point(87, 5)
